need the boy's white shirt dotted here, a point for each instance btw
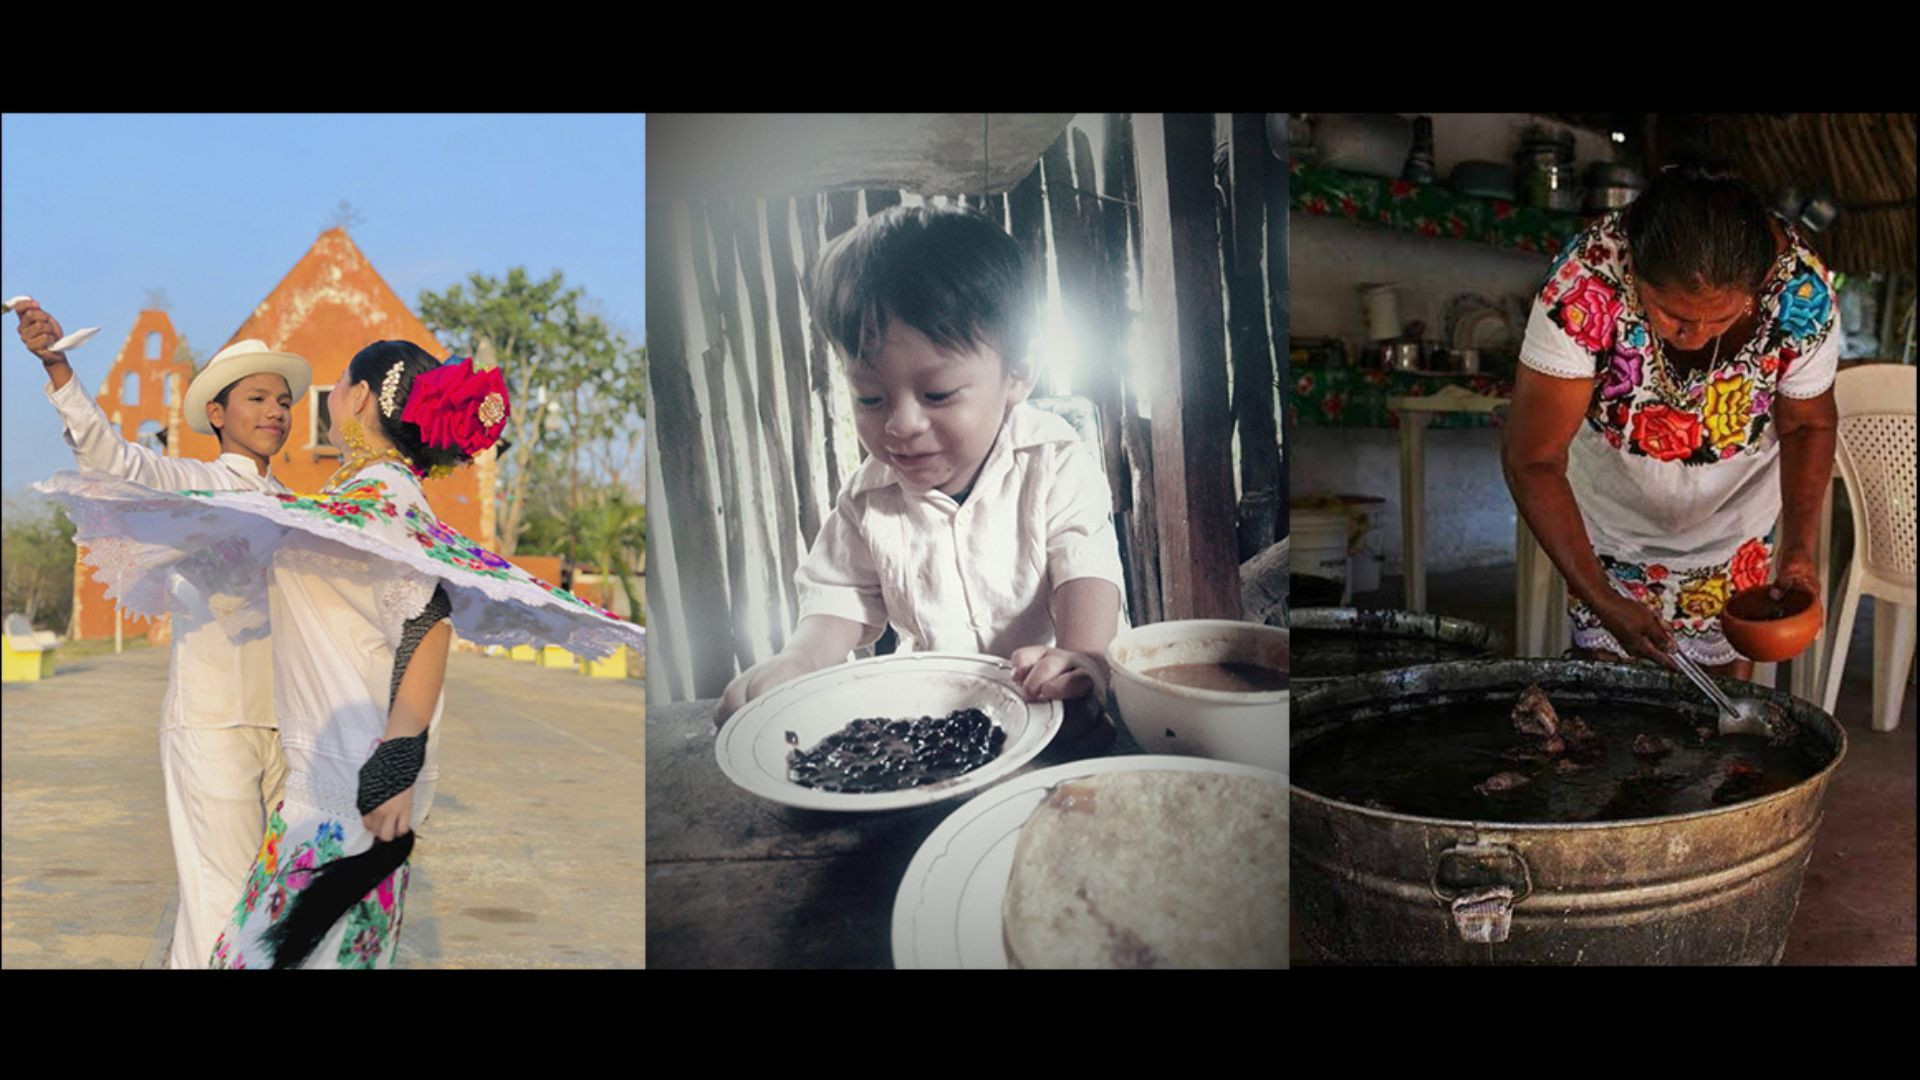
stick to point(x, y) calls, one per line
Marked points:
point(231, 680)
point(971, 577)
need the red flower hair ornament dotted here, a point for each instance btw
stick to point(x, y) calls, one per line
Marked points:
point(456, 405)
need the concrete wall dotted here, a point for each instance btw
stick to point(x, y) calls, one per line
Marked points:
point(1470, 518)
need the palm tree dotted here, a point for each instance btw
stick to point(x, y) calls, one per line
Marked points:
point(612, 533)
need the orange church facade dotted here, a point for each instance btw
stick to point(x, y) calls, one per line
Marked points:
point(328, 307)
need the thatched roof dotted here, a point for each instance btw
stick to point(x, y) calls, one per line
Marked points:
point(1865, 159)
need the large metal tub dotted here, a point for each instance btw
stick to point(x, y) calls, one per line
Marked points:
point(1475, 640)
point(1714, 887)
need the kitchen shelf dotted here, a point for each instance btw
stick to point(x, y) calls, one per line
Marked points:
point(1432, 210)
point(1337, 395)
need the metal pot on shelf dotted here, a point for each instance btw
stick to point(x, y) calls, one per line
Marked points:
point(1545, 166)
point(1610, 187)
point(1402, 356)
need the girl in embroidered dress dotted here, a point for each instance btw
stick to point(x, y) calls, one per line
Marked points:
point(362, 581)
point(1673, 417)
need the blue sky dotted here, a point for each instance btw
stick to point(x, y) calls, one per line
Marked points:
point(95, 211)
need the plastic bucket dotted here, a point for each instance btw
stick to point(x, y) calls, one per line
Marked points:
point(1319, 540)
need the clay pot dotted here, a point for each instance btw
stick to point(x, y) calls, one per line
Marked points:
point(1768, 630)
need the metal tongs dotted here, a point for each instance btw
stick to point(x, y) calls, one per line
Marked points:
point(1741, 717)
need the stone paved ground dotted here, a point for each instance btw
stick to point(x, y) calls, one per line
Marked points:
point(534, 855)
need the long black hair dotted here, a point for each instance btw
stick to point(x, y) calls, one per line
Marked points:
point(1698, 226)
point(371, 365)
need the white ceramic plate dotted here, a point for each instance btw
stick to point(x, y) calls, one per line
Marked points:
point(947, 912)
point(752, 747)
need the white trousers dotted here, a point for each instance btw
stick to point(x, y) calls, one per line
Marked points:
point(221, 785)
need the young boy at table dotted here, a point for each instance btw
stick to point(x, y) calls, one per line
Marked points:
point(977, 524)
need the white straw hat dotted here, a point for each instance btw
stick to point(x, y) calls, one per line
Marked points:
point(236, 362)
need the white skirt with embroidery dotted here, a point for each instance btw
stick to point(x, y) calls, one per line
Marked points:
point(223, 542)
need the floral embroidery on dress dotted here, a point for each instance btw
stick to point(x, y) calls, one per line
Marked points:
point(364, 499)
point(1803, 305)
point(1687, 601)
point(1646, 411)
point(373, 924)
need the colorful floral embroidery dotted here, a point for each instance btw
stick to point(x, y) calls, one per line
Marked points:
point(373, 924)
point(260, 876)
point(1695, 418)
point(1587, 312)
point(1729, 411)
point(1703, 598)
point(275, 882)
point(1623, 375)
point(1689, 602)
point(1666, 433)
point(1803, 305)
point(1752, 565)
point(364, 498)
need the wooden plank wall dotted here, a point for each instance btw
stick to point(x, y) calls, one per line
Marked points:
point(753, 422)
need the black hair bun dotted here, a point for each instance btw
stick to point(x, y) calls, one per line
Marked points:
point(374, 365)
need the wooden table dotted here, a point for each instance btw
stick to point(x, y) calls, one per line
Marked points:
point(736, 881)
point(1415, 414)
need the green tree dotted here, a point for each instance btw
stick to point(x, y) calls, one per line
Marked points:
point(607, 532)
point(612, 534)
point(36, 561)
point(577, 384)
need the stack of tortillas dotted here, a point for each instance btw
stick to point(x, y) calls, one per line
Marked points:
point(1152, 869)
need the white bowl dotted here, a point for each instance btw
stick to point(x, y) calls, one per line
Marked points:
point(752, 748)
point(1168, 719)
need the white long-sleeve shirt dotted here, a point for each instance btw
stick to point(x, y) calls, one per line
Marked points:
point(977, 576)
point(216, 678)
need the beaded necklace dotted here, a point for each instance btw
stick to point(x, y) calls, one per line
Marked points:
point(362, 459)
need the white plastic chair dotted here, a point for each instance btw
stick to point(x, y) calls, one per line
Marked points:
point(1875, 453)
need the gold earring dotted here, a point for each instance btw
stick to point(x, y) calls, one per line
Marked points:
point(356, 436)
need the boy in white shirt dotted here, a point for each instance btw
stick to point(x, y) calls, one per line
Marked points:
point(977, 524)
point(219, 744)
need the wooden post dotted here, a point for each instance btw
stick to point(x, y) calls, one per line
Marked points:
point(1124, 174)
point(1025, 209)
point(843, 212)
point(1120, 235)
point(665, 681)
point(1413, 498)
point(1072, 248)
point(721, 429)
point(1278, 179)
point(1247, 314)
point(753, 494)
point(995, 207)
point(1143, 534)
point(808, 211)
point(793, 357)
point(697, 566)
point(767, 398)
point(1192, 420)
point(1095, 310)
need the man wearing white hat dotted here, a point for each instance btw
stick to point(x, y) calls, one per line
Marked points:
point(219, 747)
